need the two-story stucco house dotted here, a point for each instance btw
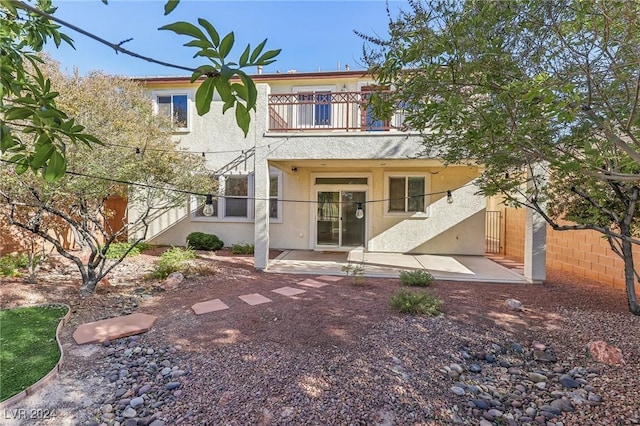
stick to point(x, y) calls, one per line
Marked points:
point(316, 172)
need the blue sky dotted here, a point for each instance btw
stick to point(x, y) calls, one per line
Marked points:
point(313, 35)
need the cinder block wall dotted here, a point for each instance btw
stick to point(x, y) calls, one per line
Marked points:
point(583, 253)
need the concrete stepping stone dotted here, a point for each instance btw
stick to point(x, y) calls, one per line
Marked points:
point(329, 278)
point(113, 328)
point(289, 291)
point(312, 283)
point(209, 306)
point(254, 299)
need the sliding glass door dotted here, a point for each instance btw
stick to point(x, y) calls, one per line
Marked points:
point(341, 218)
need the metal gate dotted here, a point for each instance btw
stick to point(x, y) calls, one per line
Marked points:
point(492, 232)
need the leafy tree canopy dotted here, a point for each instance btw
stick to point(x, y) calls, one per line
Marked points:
point(544, 95)
point(35, 131)
point(137, 149)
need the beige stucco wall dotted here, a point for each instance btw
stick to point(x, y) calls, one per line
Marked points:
point(340, 153)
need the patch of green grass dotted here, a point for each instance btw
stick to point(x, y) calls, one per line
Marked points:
point(28, 347)
point(242, 249)
point(415, 303)
point(11, 264)
point(416, 278)
point(117, 250)
point(173, 260)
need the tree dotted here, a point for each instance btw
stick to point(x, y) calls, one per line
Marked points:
point(34, 131)
point(160, 177)
point(544, 95)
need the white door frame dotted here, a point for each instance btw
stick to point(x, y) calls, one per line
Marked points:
point(313, 219)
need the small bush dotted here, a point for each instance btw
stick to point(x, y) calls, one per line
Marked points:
point(202, 241)
point(416, 278)
point(415, 303)
point(11, 264)
point(242, 249)
point(173, 260)
point(117, 250)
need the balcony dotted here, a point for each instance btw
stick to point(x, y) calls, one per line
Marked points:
point(327, 111)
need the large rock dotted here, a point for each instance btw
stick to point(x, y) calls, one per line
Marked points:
point(603, 352)
point(514, 304)
point(173, 280)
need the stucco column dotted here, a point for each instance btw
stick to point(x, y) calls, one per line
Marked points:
point(535, 240)
point(261, 182)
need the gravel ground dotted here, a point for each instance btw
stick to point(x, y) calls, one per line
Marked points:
point(339, 354)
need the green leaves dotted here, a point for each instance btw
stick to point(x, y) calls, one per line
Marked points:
point(222, 75)
point(170, 5)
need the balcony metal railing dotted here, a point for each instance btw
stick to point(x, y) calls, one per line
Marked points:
point(327, 111)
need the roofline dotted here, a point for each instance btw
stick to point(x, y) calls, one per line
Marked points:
point(262, 77)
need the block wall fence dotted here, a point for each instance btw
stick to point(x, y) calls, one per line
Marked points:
point(583, 253)
point(10, 240)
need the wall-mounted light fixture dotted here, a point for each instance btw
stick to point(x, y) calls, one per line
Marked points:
point(294, 169)
point(207, 210)
point(359, 211)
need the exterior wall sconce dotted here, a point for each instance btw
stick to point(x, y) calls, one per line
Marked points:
point(344, 88)
point(294, 169)
point(208, 206)
point(359, 211)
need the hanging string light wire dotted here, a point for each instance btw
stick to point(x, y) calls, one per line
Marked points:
point(448, 192)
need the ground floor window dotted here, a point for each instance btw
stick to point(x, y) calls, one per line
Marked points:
point(235, 200)
point(406, 194)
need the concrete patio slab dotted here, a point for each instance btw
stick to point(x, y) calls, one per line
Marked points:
point(312, 283)
point(389, 265)
point(209, 306)
point(254, 299)
point(289, 291)
point(113, 328)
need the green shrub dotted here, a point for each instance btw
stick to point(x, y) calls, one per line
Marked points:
point(242, 249)
point(415, 303)
point(117, 250)
point(202, 241)
point(11, 264)
point(173, 260)
point(416, 278)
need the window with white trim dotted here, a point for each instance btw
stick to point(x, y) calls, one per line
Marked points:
point(236, 196)
point(236, 203)
point(175, 107)
point(406, 194)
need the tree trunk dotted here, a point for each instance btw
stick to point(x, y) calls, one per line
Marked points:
point(89, 281)
point(630, 277)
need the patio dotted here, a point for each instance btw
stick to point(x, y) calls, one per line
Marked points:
point(389, 265)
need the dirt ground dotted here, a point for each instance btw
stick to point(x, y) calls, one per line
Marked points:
point(565, 313)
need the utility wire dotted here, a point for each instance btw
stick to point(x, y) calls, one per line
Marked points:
point(284, 200)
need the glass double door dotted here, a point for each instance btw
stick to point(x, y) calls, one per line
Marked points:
point(338, 223)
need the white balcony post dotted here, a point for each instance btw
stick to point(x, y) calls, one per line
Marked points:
point(261, 182)
point(535, 240)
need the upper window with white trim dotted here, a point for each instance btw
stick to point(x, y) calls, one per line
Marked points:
point(406, 194)
point(174, 106)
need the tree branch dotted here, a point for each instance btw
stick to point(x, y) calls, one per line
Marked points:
point(115, 46)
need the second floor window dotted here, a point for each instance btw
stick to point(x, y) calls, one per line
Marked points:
point(175, 108)
point(314, 109)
